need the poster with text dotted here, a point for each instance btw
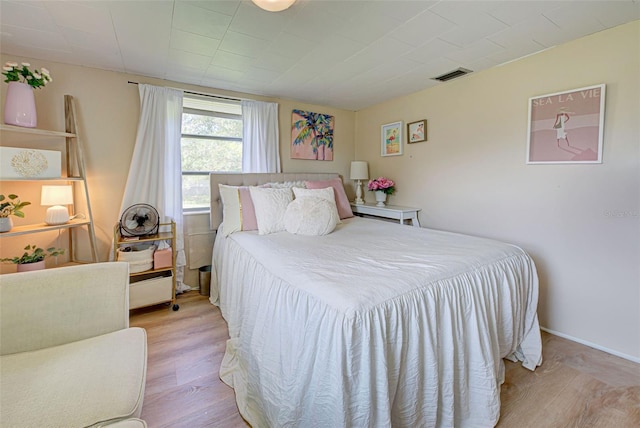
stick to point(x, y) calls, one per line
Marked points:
point(566, 127)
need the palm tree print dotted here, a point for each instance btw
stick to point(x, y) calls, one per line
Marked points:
point(311, 135)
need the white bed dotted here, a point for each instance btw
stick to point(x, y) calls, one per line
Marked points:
point(373, 325)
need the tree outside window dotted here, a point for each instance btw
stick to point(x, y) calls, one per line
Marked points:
point(211, 142)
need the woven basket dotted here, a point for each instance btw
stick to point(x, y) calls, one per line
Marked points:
point(139, 257)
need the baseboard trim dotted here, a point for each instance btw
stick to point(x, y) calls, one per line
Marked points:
point(592, 345)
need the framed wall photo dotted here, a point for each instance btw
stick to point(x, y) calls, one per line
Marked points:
point(391, 139)
point(566, 127)
point(417, 131)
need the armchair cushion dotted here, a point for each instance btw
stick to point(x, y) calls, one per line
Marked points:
point(85, 383)
point(67, 356)
point(51, 307)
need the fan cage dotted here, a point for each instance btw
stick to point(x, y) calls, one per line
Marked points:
point(125, 231)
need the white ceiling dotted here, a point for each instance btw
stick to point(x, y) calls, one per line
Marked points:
point(347, 54)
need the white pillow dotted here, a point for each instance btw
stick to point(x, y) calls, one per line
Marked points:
point(286, 184)
point(311, 216)
point(231, 219)
point(270, 205)
point(327, 193)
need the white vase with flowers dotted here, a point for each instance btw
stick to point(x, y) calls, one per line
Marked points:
point(382, 187)
point(20, 103)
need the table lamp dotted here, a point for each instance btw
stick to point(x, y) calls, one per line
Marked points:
point(359, 172)
point(56, 196)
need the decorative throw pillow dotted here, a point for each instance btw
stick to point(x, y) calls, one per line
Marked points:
point(327, 193)
point(270, 205)
point(238, 212)
point(342, 202)
point(247, 209)
point(310, 216)
point(231, 219)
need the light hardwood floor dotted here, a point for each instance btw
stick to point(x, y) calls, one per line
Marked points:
point(576, 386)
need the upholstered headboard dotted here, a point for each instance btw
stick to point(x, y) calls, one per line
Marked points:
point(236, 179)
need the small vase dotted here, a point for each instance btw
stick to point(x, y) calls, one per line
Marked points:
point(20, 105)
point(381, 198)
point(27, 267)
point(5, 224)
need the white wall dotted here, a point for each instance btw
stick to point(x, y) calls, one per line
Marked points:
point(581, 223)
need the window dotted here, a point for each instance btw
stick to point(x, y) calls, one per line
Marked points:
point(211, 142)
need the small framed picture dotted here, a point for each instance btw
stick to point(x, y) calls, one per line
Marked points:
point(417, 131)
point(391, 139)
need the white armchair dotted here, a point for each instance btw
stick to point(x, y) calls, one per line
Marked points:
point(67, 354)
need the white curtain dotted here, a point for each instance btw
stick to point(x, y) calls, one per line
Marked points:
point(260, 137)
point(155, 174)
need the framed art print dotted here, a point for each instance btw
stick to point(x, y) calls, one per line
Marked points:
point(311, 135)
point(417, 131)
point(566, 127)
point(391, 139)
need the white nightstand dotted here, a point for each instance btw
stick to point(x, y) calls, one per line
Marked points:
point(388, 211)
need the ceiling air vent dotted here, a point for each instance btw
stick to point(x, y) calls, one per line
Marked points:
point(453, 74)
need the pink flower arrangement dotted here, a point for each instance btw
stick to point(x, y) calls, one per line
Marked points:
point(382, 184)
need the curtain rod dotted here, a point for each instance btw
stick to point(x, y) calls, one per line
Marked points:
point(198, 93)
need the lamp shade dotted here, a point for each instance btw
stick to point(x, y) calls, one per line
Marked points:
point(359, 170)
point(56, 195)
point(274, 5)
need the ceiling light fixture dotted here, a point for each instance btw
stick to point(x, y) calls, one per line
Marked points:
point(274, 5)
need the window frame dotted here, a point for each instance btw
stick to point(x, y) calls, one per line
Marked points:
point(210, 113)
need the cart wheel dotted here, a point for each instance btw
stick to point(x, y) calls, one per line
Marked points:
point(175, 307)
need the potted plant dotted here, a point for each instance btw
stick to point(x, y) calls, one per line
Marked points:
point(33, 257)
point(382, 187)
point(20, 105)
point(10, 205)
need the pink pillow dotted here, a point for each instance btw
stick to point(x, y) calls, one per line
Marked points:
point(342, 202)
point(247, 210)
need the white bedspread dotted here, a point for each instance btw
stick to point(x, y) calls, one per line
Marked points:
point(373, 325)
